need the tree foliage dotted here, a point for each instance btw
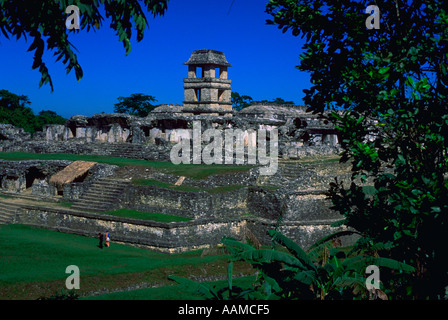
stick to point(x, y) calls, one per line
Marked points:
point(278, 101)
point(15, 110)
point(240, 101)
point(287, 271)
point(49, 117)
point(137, 104)
point(322, 272)
point(388, 89)
point(43, 23)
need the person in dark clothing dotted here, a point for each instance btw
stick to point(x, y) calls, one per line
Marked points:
point(101, 238)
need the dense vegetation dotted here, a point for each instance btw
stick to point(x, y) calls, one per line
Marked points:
point(15, 110)
point(137, 104)
point(388, 92)
point(240, 102)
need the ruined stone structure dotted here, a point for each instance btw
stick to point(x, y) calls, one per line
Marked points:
point(207, 89)
point(293, 200)
point(207, 100)
point(300, 133)
point(295, 193)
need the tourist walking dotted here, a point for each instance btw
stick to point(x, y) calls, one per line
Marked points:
point(101, 238)
point(107, 238)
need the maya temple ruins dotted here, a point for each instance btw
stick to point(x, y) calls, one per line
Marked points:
point(293, 199)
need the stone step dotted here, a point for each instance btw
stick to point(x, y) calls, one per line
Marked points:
point(92, 208)
point(7, 215)
point(97, 203)
point(110, 190)
point(99, 196)
point(7, 212)
point(109, 185)
point(102, 195)
point(96, 199)
point(105, 192)
point(89, 204)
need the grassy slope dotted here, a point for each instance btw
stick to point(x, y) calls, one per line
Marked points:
point(189, 170)
point(33, 263)
point(134, 214)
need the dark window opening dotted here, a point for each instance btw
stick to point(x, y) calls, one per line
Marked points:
point(73, 130)
point(146, 131)
point(221, 95)
point(33, 174)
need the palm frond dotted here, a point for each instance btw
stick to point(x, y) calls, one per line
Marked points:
point(260, 256)
point(196, 287)
point(307, 277)
point(332, 236)
point(293, 248)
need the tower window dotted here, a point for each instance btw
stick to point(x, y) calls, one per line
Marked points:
point(197, 94)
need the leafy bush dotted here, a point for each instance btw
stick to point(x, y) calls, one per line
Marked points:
point(388, 93)
point(325, 272)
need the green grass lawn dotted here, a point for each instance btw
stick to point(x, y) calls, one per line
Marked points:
point(194, 171)
point(33, 263)
point(161, 217)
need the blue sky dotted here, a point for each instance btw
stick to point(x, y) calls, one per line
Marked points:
point(263, 59)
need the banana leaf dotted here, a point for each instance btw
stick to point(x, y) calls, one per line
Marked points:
point(293, 248)
point(196, 287)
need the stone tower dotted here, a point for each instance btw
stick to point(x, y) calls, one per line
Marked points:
point(207, 89)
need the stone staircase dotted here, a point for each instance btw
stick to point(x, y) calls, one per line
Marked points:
point(7, 212)
point(103, 195)
point(290, 170)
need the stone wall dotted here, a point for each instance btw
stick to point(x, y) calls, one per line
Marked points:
point(195, 205)
point(260, 201)
point(165, 237)
point(17, 176)
point(300, 133)
point(168, 237)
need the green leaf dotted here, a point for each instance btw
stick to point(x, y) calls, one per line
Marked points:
point(261, 256)
point(292, 247)
point(229, 275)
point(435, 209)
point(332, 236)
point(384, 70)
point(196, 287)
point(307, 277)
